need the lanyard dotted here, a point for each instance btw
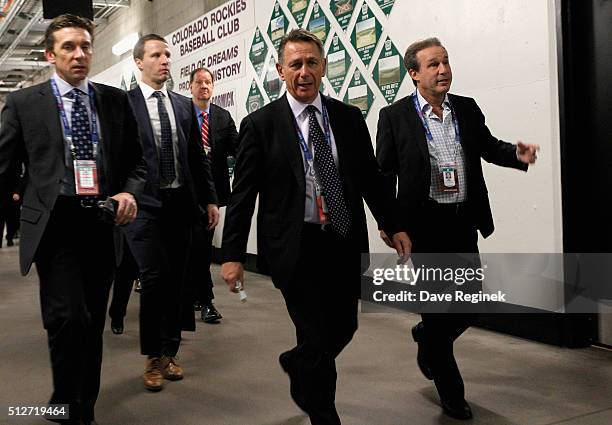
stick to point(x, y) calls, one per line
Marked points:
point(304, 145)
point(417, 106)
point(68, 129)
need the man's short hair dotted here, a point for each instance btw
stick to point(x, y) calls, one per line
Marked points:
point(299, 35)
point(410, 57)
point(66, 21)
point(138, 51)
point(195, 71)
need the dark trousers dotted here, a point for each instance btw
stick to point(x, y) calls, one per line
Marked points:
point(322, 303)
point(445, 229)
point(160, 243)
point(75, 266)
point(199, 269)
point(126, 273)
point(9, 214)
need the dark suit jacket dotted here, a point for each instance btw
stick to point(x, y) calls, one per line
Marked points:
point(269, 163)
point(224, 142)
point(192, 158)
point(402, 152)
point(31, 132)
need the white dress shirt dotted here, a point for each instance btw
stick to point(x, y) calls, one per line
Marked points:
point(151, 102)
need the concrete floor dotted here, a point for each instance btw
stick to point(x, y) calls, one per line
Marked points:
point(233, 377)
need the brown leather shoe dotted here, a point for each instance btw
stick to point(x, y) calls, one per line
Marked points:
point(152, 376)
point(171, 369)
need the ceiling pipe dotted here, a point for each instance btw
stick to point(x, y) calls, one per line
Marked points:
point(8, 20)
point(24, 32)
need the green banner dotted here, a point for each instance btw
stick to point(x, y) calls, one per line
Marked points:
point(133, 82)
point(255, 100)
point(259, 50)
point(342, 10)
point(298, 10)
point(318, 23)
point(385, 5)
point(278, 25)
point(366, 33)
point(272, 82)
point(338, 63)
point(389, 71)
point(359, 93)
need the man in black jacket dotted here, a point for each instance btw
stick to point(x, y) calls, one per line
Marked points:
point(310, 160)
point(79, 143)
point(178, 193)
point(219, 140)
point(431, 143)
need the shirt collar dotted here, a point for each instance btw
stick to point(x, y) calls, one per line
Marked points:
point(64, 87)
point(147, 90)
point(298, 107)
point(199, 111)
point(426, 107)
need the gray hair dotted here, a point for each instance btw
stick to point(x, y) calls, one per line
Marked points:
point(410, 57)
point(299, 35)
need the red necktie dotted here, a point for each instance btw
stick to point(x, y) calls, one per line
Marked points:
point(204, 132)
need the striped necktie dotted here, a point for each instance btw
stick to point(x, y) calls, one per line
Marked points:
point(204, 132)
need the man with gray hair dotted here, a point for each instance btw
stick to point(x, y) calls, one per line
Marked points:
point(310, 160)
point(431, 142)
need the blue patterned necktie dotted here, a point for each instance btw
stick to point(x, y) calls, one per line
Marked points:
point(166, 157)
point(81, 131)
point(327, 173)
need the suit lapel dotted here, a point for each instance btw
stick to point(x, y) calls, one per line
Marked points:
point(213, 124)
point(104, 123)
point(179, 116)
point(414, 122)
point(52, 116)
point(290, 144)
point(142, 116)
point(341, 138)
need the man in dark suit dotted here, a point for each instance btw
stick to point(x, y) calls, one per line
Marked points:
point(79, 143)
point(220, 140)
point(179, 191)
point(310, 160)
point(432, 142)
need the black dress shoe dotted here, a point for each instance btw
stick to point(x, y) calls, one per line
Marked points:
point(197, 306)
point(117, 327)
point(418, 334)
point(294, 388)
point(9, 242)
point(459, 409)
point(210, 314)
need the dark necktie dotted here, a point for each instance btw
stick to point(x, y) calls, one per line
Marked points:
point(327, 173)
point(166, 154)
point(81, 131)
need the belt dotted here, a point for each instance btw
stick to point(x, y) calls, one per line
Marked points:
point(316, 227)
point(83, 202)
point(447, 208)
